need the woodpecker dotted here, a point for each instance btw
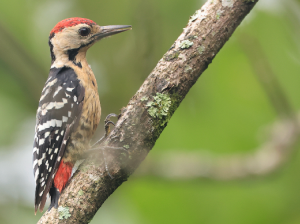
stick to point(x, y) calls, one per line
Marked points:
point(69, 108)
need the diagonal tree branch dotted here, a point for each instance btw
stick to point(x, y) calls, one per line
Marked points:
point(149, 110)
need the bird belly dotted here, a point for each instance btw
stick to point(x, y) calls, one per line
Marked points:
point(88, 121)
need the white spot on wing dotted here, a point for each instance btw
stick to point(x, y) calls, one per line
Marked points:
point(36, 174)
point(41, 159)
point(50, 106)
point(55, 151)
point(58, 123)
point(52, 82)
point(41, 141)
point(75, 98)
point(64, 119)
point(34, 163)
point(69, 89)
point(69, 113)
point(35, 149)
point(43, 126)
point(65, 100)
point(59, 105)
point(47, 134)
point(56, 92)
point(52, 124)
point(45, 94)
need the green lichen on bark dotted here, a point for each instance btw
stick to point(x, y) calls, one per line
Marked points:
point(144, 98)
point(200, 49)
point(194, 17)
point(63, 212)
point(185, 44)
point(159, 107)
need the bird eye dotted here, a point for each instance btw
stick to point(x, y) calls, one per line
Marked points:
point(84, 31)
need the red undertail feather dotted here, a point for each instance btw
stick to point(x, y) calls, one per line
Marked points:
point(70, 22)
point(62, 175)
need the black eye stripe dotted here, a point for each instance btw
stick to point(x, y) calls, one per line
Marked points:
point(84, 31)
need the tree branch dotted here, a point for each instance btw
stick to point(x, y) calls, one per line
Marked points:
point(149, 110)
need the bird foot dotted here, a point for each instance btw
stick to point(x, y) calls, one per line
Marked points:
point(94, 149)
point(107, 123)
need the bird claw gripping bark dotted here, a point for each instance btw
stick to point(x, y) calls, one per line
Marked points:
point(107, 123)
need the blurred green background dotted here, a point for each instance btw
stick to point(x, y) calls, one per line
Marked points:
point(223, 114)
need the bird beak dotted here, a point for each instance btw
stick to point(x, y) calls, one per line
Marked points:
point(105, 31)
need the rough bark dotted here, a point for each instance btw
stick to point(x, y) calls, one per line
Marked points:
point(149, 110)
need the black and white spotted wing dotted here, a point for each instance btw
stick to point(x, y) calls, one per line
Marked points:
point(59, 107)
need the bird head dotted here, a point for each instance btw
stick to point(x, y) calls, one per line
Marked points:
point(75, 35)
